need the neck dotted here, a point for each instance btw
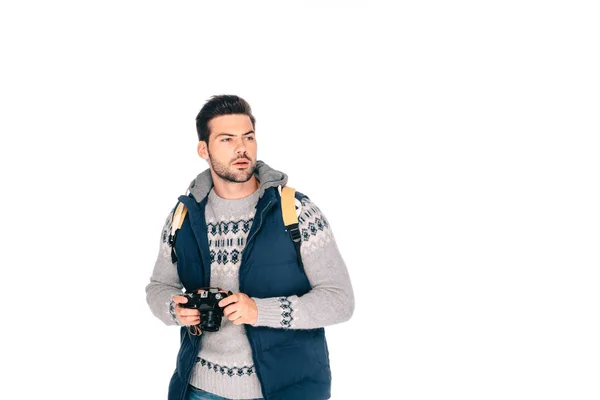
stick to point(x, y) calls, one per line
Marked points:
point(234, 190)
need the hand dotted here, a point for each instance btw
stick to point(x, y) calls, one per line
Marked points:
point(186, 316)
point(240, 309)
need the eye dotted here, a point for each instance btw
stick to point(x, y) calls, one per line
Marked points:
point(226, 139)
point(250, 138)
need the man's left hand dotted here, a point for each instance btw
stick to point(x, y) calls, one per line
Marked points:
point(240, 309)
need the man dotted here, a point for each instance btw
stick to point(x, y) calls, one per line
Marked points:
point(271, 343)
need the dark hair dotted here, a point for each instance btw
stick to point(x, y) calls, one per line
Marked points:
point(224, 104)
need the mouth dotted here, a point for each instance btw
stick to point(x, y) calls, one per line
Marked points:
point(241, 164)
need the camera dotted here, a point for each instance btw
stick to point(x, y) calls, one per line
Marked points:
point(207, 303)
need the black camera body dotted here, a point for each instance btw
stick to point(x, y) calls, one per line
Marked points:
point(207, 302)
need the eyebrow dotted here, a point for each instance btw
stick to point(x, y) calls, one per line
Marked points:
point(231, 134)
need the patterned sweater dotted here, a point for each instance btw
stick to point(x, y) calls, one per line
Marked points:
point(224, 364)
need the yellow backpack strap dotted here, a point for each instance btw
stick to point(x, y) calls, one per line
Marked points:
point(288, 206)
point(290, 218)
point(178, 218)
point(177, 221)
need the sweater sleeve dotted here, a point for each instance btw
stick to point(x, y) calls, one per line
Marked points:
point(164, 282)
point(331, 299)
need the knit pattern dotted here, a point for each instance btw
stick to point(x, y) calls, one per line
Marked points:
point(166, 244)
point(172, 312)
point(226, 240)
point(314, 228)
point(225, 370)
point(286, 312)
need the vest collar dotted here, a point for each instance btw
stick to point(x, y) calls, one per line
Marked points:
point(267, 176)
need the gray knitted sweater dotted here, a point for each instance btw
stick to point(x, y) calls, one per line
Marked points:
point(224, 364)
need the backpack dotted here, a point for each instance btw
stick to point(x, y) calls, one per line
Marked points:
point(290, 209)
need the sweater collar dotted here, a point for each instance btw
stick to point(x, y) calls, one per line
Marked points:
point(267, 176)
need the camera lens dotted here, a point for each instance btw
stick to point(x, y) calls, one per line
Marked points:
point(210, 321)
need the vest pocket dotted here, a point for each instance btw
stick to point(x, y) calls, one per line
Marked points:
point(288, 363)
point(187, 353)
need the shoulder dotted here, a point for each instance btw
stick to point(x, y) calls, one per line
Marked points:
point(168, 225)
point(311, 219)
point(314, 226)
point(301, 201)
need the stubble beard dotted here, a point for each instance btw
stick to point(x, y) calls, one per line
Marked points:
point(229, 174)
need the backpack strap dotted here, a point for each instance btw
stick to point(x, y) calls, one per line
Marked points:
point(290, 219)
point(178, 217)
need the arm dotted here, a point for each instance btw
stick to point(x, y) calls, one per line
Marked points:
point(331, 299)
point(164, 282)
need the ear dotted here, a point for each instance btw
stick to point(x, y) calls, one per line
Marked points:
point(203, 150)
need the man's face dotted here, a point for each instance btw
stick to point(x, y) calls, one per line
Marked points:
point(231, 151)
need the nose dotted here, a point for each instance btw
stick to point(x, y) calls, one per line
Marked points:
point(241, 148)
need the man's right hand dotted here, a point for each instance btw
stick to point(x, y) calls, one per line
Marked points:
point(186, 316)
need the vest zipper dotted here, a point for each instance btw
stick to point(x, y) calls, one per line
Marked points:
point(250, 338)
point(261, 222)
point(191, 366)
point(252, 237)
point(251, 341)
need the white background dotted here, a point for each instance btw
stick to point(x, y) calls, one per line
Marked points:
point(452, 146)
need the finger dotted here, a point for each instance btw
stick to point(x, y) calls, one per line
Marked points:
point(188, 321)
point(187, 315)
point(180, 299)
point(228, 300)
point(200, 290)
point(189, 312)
point(234, 315)
point(190, 317)
point(230, 309)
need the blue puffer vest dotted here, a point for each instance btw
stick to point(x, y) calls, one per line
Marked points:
point(291, 364)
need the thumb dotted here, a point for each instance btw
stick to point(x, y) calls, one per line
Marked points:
point(180, 299)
